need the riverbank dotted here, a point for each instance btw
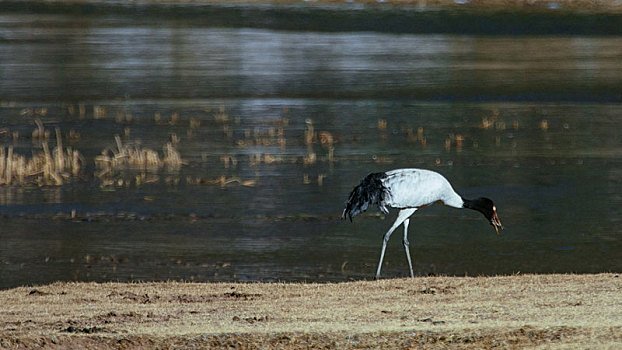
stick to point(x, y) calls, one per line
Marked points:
point(429, 312)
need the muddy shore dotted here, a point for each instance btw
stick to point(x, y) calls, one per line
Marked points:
point(429, 312)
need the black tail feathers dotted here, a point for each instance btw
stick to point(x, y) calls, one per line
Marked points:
point(369, 192)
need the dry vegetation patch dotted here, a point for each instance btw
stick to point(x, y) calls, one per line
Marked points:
point(506, 311)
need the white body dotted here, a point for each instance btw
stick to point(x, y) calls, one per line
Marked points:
point(417, 188)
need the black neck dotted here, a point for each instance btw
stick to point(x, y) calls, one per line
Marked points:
point(467, 203)
point(479, 204)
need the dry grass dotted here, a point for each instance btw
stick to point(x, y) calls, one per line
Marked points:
point(137, 157)
point(45, 167)
point(429, 312)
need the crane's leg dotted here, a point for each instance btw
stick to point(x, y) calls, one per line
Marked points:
point(407, 247)
point(402, 216)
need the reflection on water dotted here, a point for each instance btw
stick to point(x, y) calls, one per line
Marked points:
point(274, 128)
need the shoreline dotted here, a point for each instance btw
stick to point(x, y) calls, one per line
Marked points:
point(428, 312)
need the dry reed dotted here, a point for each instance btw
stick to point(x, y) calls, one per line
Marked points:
point(45, 167)
point(130, 156)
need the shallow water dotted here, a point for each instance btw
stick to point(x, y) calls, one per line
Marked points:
point(528, 120)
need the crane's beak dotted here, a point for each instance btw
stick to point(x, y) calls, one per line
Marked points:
point(495, 222)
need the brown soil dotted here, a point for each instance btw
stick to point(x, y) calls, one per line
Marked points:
point(428, 312)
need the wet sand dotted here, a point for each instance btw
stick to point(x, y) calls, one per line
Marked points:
point(518, 311)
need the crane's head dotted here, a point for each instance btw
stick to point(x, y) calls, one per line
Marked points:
point(486, 207)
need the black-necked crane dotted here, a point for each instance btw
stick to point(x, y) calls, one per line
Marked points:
point(409, 190)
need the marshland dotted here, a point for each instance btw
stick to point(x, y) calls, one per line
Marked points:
point(181, 150)
point(211, 142)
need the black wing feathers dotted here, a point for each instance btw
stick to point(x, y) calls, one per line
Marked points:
point(369, 192)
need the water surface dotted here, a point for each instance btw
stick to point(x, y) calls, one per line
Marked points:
point(528, 120)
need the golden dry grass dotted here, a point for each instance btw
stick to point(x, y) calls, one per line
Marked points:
point(135, 156)
point(431, 312)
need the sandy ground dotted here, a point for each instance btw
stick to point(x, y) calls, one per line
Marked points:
point(549, 311)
